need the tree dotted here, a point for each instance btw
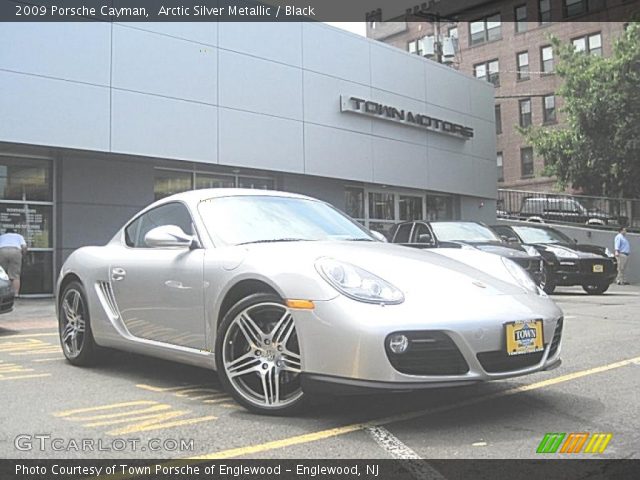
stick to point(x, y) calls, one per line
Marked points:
point(598, 150)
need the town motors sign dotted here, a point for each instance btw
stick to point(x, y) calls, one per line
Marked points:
point(370, 108)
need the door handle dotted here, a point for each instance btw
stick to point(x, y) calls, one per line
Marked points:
point(118, 274)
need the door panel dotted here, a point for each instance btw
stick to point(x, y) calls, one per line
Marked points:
point(160, 294)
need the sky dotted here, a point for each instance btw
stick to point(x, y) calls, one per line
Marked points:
point(355, 27)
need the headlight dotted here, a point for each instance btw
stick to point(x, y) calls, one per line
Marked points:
point(3, 274)
point(521, 276)
point(608, 252)
point(358, 284)
point(531, 251)
point(562, 253)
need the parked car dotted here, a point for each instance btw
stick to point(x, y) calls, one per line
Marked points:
point(286, 296)
point(6, 293)
point(451, 234)
point(567, 262)
point(562, 209)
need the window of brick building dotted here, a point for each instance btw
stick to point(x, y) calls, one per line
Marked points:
point(489, 71)
point(522, 61)
point(549, 108)
point(498, 114)
point(546, 59)
point(572, 8)
point(544, 11)
point(485, 29)
point(520, 14)
point(589, 43)
point(525, 112)
point(526, 162)
point(500, 167)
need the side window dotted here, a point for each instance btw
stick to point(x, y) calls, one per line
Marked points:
point(168, 214)
point(421, 229)
point(402, 234)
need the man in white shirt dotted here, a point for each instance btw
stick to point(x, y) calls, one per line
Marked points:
point(12, 248)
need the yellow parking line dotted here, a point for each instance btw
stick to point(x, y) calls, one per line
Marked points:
point(28, 335)
point(333, 432)
point(39, 360)
point(19, 377)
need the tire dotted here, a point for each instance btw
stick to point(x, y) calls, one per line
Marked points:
point(547, 282)
point(74, 327)
point(596, 288)
point(267, 381)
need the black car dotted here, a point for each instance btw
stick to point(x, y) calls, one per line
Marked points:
point(561, 209)
point(452, 234)
point(6, 293)
point(566, 262)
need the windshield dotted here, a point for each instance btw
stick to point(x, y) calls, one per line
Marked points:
point(541, 235)
point(249, 219)
point(463, 232)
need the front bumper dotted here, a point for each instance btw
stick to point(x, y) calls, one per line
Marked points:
point(343, 341)
point(580, 272)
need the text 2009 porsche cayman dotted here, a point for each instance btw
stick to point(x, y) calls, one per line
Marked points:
point(285, 296)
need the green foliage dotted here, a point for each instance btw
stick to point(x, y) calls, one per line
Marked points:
point(598, 150)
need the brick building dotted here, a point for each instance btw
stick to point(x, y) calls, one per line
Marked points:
point(507, 43)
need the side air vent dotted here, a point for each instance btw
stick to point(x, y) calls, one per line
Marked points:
point(108, 300)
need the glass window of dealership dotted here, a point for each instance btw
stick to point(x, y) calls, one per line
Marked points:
point(375, 206)
point(26, 206)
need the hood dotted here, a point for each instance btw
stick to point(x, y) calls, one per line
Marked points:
point(415, 272)
point(583, 251)
point(509, 251)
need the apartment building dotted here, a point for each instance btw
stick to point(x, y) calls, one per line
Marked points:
point(507, 43)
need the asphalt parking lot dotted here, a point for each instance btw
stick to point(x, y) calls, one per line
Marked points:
point(138, 407)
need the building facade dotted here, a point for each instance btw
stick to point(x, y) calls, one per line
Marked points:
point(98, 120)
point(508, 45)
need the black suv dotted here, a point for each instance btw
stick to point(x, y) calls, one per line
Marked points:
point(561, 209)
point(450, 234)
point(566, 262)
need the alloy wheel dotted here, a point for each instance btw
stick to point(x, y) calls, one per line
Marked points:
point(72, 328)
point(261, 356)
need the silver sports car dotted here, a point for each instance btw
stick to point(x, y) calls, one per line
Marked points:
point(285, 296)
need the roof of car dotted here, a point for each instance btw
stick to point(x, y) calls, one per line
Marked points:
point(209, 193)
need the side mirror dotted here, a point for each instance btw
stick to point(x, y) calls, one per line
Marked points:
point(379, 236)
point(425, 238)
point(168, 236)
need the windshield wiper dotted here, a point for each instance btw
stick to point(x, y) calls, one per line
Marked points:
point(275, 240)
point(359, 240)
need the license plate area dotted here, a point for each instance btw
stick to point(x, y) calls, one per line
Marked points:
point(598, 268)
point(524, 337)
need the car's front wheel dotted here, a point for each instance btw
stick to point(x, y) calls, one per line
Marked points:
point(258, 355)
point(74, 326)
point(547, 282)
point(596, 288)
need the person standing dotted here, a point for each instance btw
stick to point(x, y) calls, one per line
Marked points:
point(12, 248)
point(622, 252)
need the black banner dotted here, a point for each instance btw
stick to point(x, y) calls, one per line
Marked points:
point(305, 10)
point(120, 469)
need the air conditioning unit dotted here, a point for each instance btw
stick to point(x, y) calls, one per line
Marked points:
point(429, 46)
point(449, 48)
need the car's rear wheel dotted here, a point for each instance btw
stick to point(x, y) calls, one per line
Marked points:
point(596, 288)
point(74, 326)
point(258, 355)
point(547, 282)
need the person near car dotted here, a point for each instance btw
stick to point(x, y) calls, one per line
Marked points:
point(622, 252)
point(12, 248)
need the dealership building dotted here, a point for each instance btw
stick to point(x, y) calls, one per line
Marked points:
point(98, 120)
